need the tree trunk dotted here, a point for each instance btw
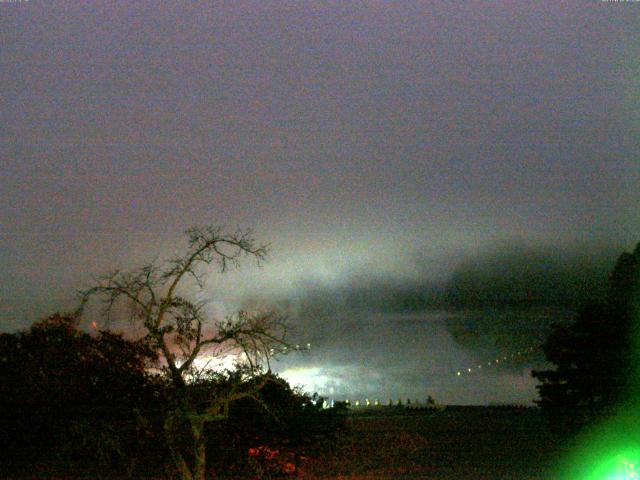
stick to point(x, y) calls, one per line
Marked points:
point(199, 450)
point(171, 428)
point(181, 465)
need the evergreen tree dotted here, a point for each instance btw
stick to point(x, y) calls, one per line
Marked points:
point(595, 371)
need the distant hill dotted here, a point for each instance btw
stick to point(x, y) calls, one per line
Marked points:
point(528, 277)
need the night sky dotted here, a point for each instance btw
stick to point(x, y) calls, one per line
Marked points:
point(392, 154)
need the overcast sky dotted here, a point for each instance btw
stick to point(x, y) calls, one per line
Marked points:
point(380, 139)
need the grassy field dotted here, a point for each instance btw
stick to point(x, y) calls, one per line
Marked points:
point(457, 443)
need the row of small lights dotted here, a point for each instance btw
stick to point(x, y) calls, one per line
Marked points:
point(297, 347)
point(368, 403)
point(503, 359)
point(377, 403)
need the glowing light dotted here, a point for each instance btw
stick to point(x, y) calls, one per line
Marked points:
point(469, 369)
point(459, 373)
point(627, 468)
point(610, 451)
point(622, 469)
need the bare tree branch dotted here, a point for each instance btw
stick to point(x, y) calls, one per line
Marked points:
point(176, 326)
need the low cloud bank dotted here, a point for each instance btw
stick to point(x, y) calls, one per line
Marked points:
point(506, 295)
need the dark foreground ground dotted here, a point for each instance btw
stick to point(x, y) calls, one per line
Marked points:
point(471, 443)
point(457, 443)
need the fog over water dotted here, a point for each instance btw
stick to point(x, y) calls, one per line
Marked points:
point(390, 336)
point(399, 356)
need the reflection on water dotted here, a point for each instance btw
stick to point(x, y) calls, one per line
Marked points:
point(410, 356)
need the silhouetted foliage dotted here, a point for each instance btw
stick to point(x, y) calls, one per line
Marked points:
point(83, 404)
point(594, 356)
point(76, 405)
point(70, 401)
point(182, 332)
point(272, 437)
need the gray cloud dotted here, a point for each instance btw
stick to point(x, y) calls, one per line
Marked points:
point(374, 145)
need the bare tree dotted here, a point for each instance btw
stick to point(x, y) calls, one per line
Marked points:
point(179, 329)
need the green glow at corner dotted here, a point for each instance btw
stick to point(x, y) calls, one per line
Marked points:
point(610, 451)
point(620, 467)
point(625, 468)
point(608, 466)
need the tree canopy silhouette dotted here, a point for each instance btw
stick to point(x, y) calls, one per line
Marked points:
point(180, 330)
point(70, 400)
point(594, 357)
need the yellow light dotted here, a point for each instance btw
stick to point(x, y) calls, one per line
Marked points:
point(459, 373)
